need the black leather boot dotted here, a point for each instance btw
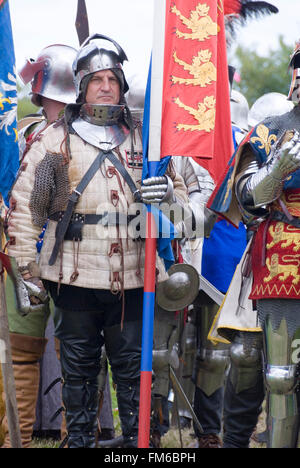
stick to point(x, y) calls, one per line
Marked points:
point(80, 353)
point(123, 348)
point(81, 400)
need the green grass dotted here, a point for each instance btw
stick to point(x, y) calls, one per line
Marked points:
point(114, 403)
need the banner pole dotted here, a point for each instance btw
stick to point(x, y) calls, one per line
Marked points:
point(151, 231)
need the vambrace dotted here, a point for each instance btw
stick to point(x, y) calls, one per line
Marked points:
point(248, 188)
point(259, 188)
point(197, 220)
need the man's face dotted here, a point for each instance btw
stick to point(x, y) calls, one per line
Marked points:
point(103, 88)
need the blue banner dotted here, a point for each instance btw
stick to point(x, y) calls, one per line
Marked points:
point(9, 151)
point(151, 169)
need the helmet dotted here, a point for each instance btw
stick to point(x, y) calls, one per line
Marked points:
point(294, 66)
point(135, 97)
point(267, 105)
point(51, 74)
point(92, 57)
point(239, 109)
point(180, 289)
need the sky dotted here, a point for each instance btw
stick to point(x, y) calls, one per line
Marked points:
point(38, 23)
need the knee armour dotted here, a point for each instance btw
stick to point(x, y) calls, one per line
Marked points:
point(165, 350)
point(210, 369)
point(211, 360)
point(281, 380)
point(246, 360)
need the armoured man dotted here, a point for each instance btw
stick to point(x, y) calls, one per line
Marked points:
point(244, 391)
point(52, 88)
point(266, 189)
point(84, 174)
point(221, 253)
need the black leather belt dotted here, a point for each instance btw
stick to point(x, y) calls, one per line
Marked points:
point(105, 219)
point(78, 220)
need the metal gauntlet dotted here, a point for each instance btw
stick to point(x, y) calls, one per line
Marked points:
point(31, 295)
point(157, 190)
point(264, 185)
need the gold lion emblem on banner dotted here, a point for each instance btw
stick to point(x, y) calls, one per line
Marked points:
point(199, 23)
point(205, 114)
point(201, 68)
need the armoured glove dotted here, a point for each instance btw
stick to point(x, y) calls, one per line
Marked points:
point(157, 190)
point(286, 159)
point(32, 296)
point(266, 184)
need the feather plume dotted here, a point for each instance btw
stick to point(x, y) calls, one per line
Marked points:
point(256, 9)
point(238, 12)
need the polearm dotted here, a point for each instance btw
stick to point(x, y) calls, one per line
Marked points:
point(82, 22)
point(150, 244)
point(7, 367)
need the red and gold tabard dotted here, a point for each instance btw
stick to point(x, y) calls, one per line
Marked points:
point(276, 255)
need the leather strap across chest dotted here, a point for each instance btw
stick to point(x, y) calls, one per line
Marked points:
point(76, 194)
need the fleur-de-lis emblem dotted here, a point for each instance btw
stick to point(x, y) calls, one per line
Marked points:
point(2, 100)
point(8, 95)
point(264, 138)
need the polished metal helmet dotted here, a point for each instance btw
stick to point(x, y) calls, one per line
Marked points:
point(267, 105)
point(135, 97)
point(294, 66)
point(239, 109)
point(180, 289)
point(51, 74)
point(98, 53)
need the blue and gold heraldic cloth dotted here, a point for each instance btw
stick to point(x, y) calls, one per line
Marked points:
point(9, 152)
point(275, 249)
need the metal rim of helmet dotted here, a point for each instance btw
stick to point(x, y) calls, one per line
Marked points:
point(51, 74)
point(90, 59)
point(239, 108)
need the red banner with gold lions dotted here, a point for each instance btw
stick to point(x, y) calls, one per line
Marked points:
point(196, 103)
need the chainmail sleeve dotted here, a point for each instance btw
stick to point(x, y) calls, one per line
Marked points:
point(32, 197)
point(51, 188)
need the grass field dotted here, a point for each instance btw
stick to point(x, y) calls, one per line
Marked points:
point(171, 440)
